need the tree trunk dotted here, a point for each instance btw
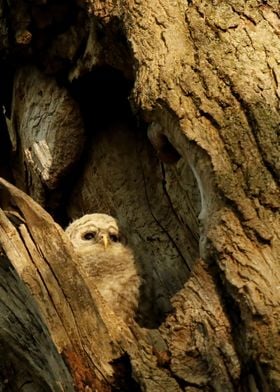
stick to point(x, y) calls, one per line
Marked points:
point(164, 114)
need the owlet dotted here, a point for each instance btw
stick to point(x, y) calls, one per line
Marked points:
point(108, 261)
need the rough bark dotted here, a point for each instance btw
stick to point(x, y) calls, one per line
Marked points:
point(190, 168)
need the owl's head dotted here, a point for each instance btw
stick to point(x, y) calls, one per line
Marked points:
point(93, 229)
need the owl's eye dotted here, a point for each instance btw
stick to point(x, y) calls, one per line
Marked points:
point(89, 235)
point(114, 237)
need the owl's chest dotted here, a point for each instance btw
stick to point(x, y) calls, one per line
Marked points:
point(107, 265)
point(116, 278)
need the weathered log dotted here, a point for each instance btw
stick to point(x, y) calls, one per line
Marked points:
point(42, 257)
point(88, 336)
point(94, 347)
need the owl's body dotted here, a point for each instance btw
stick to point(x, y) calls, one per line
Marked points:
point(105, 259)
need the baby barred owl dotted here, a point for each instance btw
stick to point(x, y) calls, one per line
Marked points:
point(97, 240)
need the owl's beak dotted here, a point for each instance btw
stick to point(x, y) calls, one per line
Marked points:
point(105, 240)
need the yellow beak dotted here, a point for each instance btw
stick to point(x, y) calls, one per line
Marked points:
point(105, 240)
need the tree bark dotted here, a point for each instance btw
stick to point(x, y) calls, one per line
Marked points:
point(164, 114)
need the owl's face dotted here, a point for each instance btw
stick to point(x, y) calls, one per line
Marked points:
point(94, 229)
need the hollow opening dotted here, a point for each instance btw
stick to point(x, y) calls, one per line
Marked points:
point(124, 382)
point(150, 190)
point(121, 174)
point(103, 97)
